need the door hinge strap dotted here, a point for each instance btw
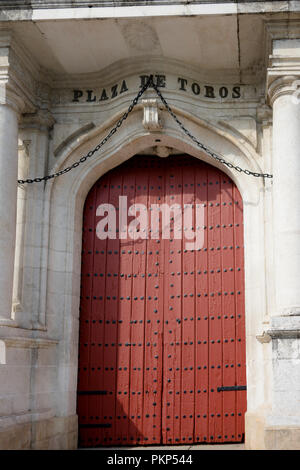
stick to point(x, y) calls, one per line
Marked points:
point(232, 389)
point(92, 392)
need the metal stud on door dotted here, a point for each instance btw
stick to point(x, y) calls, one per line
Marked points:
point(162, 331)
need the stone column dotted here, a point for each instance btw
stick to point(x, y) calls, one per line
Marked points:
point(282, 425)
point(286, 194)
point(8, 204)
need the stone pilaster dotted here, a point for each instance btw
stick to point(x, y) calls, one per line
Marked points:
point(19, 93)
point(286, 192)
point(11, 105)
point(278, 425)
point(30, 270)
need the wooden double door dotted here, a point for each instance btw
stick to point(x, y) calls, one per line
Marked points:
point(162, 327)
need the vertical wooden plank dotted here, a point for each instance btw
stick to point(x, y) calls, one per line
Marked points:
point(175, 321)
point(98, 279)
point(138, 302)
point(201, 316)
point(188, 311)
point(85, 316)
point(215, 305)
point(124, 327)
point(154, 312)
point(124, 312)
point(128, 245)
point(241, 396)
point(137, 322)
point(168, 350)
point(228, 285)
point(172, 305)
point(110, 327)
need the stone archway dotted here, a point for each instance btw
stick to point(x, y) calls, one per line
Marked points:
point(66, 198)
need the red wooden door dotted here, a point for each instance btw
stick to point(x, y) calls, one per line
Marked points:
point(162, 327)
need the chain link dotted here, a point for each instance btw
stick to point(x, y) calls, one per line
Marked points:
point(202, 146)
point(149, 84)
point(91, 152)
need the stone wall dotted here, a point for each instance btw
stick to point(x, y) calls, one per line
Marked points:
point(49, 434)
point(28, 394)
point(258, 131)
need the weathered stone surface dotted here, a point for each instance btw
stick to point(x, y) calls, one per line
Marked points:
point(282, 438)
point(73, 80)
point(56, 433)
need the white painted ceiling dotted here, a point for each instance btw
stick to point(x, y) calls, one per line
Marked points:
point(82, 46)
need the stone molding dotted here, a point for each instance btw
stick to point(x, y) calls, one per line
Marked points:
point(35, 10)
point(283, 67)
point(38, 88)
point(281, 29)
point(9, 97)
point(83, 130)
point(23, 82)
point(41, 120)
point(274, 333)
point(8, 322)
point(282, 327)
point(25, 342)
point(125, 68)
point(284, 85)
point(216, 127)
point(11, 92)
point(284, 333)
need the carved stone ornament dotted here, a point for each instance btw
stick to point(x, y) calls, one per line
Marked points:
point(41, 119)
point(162, 151)
point(264, 114)
point(263, 338)
point(151, 119)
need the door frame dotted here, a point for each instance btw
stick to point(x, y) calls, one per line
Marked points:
point(64, 200)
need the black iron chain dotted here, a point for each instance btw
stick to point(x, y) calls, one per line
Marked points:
point(119, 124)
point(98, 147)
point(202, 146)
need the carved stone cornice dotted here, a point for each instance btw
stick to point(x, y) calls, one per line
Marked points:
point(282, 57)
point(9, 91)
point(10, 97)
point(23, 83)
point(284, 85)
point(280, 29)
point(41, 120)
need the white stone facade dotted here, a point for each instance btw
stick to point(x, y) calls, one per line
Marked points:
point(237, 91)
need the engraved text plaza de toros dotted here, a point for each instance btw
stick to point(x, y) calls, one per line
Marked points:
point(216, 92)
